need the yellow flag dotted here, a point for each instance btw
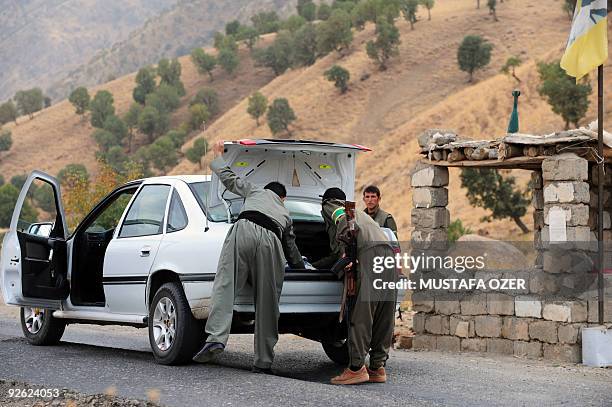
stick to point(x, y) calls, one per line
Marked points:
point(587, 47)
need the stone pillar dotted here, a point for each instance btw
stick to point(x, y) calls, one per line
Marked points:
point(537, 201)
point(430, 219)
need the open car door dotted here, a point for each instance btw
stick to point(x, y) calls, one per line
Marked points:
point(34, 260)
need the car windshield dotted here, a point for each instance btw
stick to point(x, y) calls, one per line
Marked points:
point(299, 210)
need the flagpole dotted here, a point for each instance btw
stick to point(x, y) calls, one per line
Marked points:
point(600, 196)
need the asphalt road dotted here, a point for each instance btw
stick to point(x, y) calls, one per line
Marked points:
point(95, 359)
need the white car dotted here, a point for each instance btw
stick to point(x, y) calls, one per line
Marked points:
point(147, 254)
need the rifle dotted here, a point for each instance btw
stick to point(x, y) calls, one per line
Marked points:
point(349, 294)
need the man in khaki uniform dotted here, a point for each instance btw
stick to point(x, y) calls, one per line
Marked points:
point(372, 317)
point(371, 198)
point(253, 253)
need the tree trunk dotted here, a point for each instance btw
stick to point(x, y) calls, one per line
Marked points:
point(514, 76)
point(567, 125)
point(520, 224)
point(257, 121)
point(429, 14)
point(495, 15)
point(411, 24)
point(471, 77)
point(477, 3)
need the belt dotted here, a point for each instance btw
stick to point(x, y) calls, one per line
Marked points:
point(262, 220)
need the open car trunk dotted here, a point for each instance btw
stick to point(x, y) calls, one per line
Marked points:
point(306, 168)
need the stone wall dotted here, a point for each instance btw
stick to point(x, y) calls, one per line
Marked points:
point(539, 321)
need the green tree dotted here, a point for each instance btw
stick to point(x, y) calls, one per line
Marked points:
point(145, 84)
point(305, 45)
point(73, 171)
point(177, 136)
point(151, 122)
point(279, 55)
point(199, 150)
point(232, 28)
point(18, 180)
point(249, 35)
point(428, 4)
point(258, 104)
point(8, 199)
point(8, 112)
point(80, 100)
point(117, 128)
point(487, 189)
point(409, 9)
point(162, 154)
point(198, 116)
point(101, 108)
point(209, 98)
point(228, 60)
point(510, 66)
point(6, 140)
point(456, 230)
point(335, 34)
point(29, 101)
point(131, 121)
point(225, 42)
point(307, 9)
point(116, 158)
point(44, 198)
point(165, 99)
point(567, 98)
point(324, 12)
point(474, 53)
point(492, 4)
point(266, 22)
point(170, 74)
point(205, 63)
point(340, 76)
point(293, 23)
point(105, 140)
point(280, 116)
point(386, 44)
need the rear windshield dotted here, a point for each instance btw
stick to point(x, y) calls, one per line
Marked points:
point(300, 211)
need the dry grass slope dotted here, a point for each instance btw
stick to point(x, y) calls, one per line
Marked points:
point(57, 136)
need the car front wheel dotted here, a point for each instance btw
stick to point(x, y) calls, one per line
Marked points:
point(174, 334)
point(39, 326)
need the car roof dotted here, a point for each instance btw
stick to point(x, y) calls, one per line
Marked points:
point(189, 179)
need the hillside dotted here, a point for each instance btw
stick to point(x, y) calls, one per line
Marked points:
point(41, 39)
point(56, 136)
point(423, 88)
point(189, 24)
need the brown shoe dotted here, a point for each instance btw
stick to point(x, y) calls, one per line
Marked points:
point(378, 375)
point(350, 377)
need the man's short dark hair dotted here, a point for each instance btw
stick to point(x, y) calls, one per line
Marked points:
point(278, 188)
point(333, 193)
point(372, 189)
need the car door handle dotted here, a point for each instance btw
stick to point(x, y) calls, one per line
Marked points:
point(145, 251)
point(15, 260)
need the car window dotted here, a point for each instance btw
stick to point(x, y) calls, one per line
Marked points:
point(109, 218)
point(177, 216)
point(146, 215)
point(38, 208)
point(304, 211)
point(200, 191)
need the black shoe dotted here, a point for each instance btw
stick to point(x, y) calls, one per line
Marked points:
point(256, 369)
point(208, 352)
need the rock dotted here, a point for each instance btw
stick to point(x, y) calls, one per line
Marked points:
point(488, 326)
point(528, 307)
point(499, 255)
point(515, 328)
point(565, 167)
point(474, 345)
point(428, 197)
point(426, 175)
point(566, 192)
point(531, 350)
point(448, 344)
point(545, 331)
point(432, 218)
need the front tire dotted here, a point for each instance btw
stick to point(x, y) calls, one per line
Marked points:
point(174, 334)
point(337, 351)
point(39, 326)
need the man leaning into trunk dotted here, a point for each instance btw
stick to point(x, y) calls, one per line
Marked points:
point(253, 253)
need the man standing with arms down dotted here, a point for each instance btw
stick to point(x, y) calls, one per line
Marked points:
point(253, 253)
point(371, 198)
point(372, 316)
